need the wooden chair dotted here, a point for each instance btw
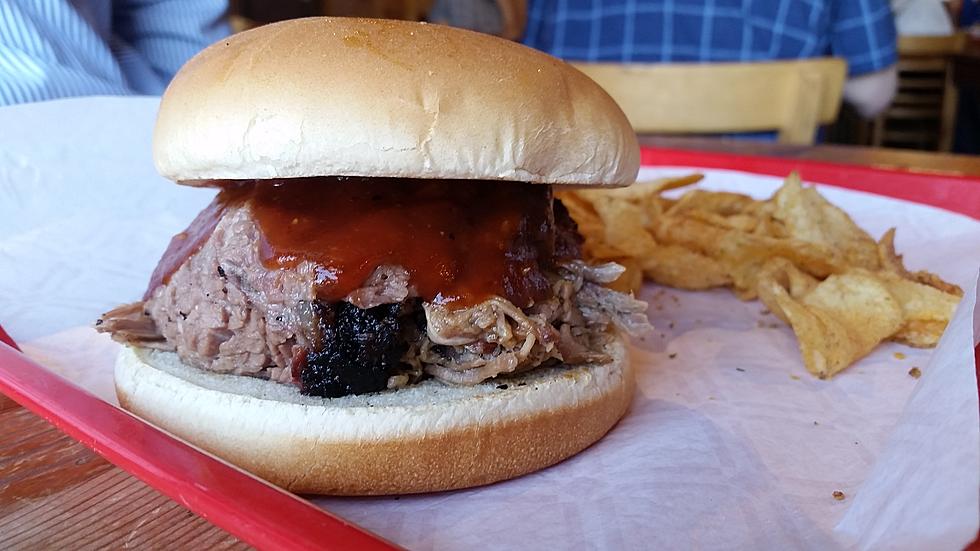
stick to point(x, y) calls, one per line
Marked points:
point(790, 97)
point(923, 113)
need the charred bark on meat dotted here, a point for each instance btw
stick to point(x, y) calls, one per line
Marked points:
point(568, 240)
point(360, 349)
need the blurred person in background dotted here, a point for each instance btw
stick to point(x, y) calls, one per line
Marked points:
point(505, 18)
point(862, 32)
point(60, 48)
point(969, 15)
point(967, 137)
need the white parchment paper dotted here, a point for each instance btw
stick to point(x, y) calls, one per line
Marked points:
point(729, 442)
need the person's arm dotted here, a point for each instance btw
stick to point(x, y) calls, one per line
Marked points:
point(863, 33)
point(153, 38)
point(871, 93)
point(49, 52)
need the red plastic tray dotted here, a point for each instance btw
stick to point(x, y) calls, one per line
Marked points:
point(951, 192)
point(270, 518)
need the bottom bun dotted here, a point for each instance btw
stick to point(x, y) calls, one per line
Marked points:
point(423, 438)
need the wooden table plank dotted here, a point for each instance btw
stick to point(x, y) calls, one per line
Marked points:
point(35, 460)
point(7, 403)
point(57, 494)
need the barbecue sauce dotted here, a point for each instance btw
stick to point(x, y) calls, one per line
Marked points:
point(189, 241)
point(460, 241)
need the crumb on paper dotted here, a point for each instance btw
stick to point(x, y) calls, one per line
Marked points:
point(672, 355)
point(711, 397)
point(795, 377)
point(899, 356)
point(815, 423)
point(915, 373)
point(739, 369)
point(764, 312)
point(839, 495)
point(670, 325)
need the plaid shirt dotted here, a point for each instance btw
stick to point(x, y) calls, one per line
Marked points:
point(59, 48)
point(860, 31)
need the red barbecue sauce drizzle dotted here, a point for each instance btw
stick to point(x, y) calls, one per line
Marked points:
point(189, 241)
point(461, 241)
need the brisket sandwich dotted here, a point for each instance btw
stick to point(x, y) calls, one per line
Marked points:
point(384, 295)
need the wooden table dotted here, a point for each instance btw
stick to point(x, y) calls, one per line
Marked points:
point(55, 493)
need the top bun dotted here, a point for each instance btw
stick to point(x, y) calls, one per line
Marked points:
point(367, 97)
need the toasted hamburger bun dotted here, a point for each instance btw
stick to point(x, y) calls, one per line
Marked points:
point(366, 97)
point(423, 438)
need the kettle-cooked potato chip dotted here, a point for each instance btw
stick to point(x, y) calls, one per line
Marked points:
point(811, 218)
point(841, 291)
point(920, 333)
point(717, 202)
point(744, 253)
point(624, 226)
point(926, 310)
point(892, 262)
point(836, 322)
point(683, 268)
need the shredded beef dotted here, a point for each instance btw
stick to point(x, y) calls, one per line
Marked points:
point(223, 310)
point(469, 345)
point(601, 306)
point(131, 323)
point(568, 241)
point(494, 338)
point(387, 285)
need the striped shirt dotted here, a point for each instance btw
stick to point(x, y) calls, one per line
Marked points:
point(860, 31)
point(59, 48)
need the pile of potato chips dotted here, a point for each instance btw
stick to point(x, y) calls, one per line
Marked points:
point(805, 259)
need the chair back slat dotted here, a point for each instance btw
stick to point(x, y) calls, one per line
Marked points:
point(790, 97)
